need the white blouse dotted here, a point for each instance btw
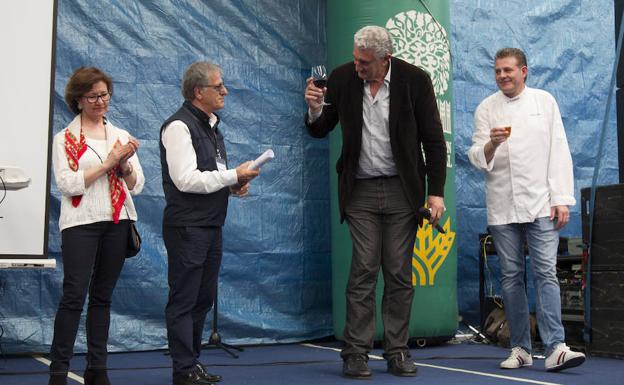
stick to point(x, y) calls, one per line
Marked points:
point(95, 205)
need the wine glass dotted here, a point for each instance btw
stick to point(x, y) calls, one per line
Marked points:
point(319, 76)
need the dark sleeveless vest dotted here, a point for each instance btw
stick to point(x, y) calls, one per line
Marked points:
point(191, 209)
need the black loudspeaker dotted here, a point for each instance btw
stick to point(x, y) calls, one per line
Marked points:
point(607, 249)
point(607, 313)
point(606, 268)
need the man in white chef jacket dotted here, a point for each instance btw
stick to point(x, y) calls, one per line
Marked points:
point(520, 144)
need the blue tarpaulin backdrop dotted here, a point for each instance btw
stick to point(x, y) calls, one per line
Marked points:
point(275, 279)
point(276, 276)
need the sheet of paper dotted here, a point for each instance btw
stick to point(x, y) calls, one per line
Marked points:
point(262, 159)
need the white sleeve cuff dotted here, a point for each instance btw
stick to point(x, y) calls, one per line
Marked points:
point(562, 200)
point(230, 178)
point(312, 116)
point(476, 154)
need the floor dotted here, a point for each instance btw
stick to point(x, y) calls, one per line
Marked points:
point(464, 363)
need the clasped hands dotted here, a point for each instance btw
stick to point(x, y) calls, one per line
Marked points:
point(119, 156)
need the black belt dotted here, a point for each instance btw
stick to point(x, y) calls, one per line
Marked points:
point(379, 177)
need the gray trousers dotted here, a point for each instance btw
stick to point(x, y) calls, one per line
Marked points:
point(383, 229)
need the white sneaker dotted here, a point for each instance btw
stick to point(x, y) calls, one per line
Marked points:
point(517, 359)
point(563, 358)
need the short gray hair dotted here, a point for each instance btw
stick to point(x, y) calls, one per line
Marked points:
point(196, 75)
point(374, 38)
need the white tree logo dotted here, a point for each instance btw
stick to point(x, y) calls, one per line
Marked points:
point(419, 40)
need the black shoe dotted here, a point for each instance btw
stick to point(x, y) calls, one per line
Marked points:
point(96, 377)
point(401, 365)
point(356, 366)
point(207, 376)
point(191, 378)
point(58, 379)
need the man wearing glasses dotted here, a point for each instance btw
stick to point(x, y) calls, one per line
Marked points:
point(197, 184)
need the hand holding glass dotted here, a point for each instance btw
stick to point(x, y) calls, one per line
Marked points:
point(504, 125)
point(319, 78)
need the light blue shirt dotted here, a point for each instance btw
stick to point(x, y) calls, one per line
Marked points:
point(376, 152)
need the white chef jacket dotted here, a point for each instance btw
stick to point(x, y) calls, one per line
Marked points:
point(532, 170)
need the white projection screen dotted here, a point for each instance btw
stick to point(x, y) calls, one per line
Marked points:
point(27, 36)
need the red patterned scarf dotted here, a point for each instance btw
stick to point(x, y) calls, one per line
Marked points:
point(74, 150)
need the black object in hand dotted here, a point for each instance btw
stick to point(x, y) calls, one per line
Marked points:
point(426, 213)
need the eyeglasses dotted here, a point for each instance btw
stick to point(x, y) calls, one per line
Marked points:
point(94, 98)
point(216, 87)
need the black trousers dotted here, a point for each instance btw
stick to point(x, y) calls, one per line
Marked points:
point(93, 256)
point(383, 229)
point(194, 255)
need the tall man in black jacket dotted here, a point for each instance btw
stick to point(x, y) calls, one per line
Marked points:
point(389, 116)
point(197, 184)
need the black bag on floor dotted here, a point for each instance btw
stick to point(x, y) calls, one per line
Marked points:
point(496, 329)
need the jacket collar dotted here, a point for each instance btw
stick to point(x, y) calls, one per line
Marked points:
point(203, 118)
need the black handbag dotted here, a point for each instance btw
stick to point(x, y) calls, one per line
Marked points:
point(134, 241)
point(134, 238)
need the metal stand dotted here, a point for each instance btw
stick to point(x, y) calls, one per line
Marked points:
point(215, 339)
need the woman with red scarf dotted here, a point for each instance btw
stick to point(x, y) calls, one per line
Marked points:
point(96, 170)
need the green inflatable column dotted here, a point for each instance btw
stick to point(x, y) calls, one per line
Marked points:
point(421, 37)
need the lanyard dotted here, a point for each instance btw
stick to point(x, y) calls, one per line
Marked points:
point(212, 134)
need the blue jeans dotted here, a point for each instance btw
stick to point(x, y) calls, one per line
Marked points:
point(542, 241)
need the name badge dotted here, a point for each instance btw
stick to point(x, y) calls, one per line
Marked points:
point(221, 165)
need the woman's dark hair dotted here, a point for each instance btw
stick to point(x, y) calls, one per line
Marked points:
point(81, 82)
